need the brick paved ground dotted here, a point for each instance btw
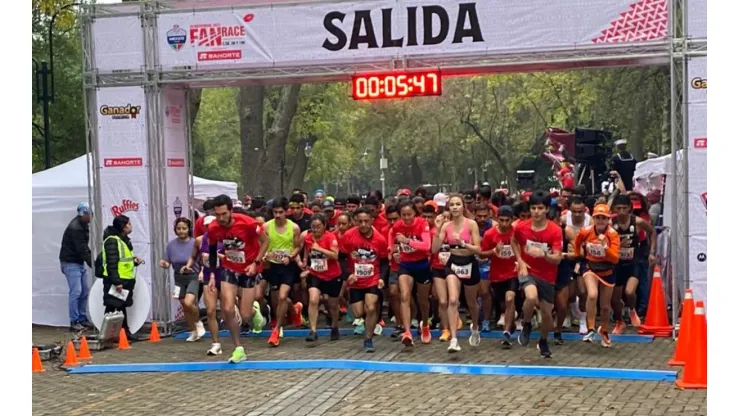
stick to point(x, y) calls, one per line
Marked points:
point(334, 392)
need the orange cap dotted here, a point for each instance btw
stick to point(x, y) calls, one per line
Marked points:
point(601, 210)
point(432, 204)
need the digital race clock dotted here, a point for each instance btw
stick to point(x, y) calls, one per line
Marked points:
point(396, 85)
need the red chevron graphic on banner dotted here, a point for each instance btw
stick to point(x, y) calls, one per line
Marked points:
point(645, 20)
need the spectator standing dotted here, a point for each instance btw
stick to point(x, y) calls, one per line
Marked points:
point(73, 255)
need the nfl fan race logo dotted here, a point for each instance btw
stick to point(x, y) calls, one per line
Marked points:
point(176, 37)
point(121, 112)
point(127, 205)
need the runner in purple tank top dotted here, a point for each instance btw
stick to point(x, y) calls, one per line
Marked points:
point(211, 290)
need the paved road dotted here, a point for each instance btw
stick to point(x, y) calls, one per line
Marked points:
point(333, 392)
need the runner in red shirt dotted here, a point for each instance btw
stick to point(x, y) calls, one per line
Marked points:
point(391, 213)
point(344, 223)
point(496, 245)
point(200, 228)
point(323, 274)
point(538, 245)
point(368, 262)
point(412, 233)
point(245, 243)
point(331, 214)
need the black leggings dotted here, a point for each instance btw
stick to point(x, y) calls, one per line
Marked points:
point(109, 309)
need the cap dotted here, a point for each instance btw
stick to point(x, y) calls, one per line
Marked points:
point(505, 211)
point(83, 208)
point(620, 141)
point(405, 191)
point(440, 199)
point(319, 191)
point(330, 198)
point(468, 195)
point(432, 204)
point(207, 220)
point(602, 210)
point(327, 205)
point(636, 204)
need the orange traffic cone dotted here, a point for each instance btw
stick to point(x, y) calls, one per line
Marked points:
point(37, 367)
point(695, 371)
point(71, 359)
point(684, 334)
point(123, 341)
point(84, 350)
point(656, 323)
point(154, 334)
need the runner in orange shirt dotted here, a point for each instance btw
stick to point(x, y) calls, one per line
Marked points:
point(601, 243)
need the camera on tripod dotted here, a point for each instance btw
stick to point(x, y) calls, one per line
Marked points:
point(593, 149)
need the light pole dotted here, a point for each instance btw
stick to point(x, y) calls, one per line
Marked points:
point(383, 166)
point(44, 77)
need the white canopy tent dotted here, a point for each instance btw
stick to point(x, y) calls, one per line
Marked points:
point(56, 193)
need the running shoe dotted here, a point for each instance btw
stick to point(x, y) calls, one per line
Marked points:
point(558, 338)
point(414, 324)
point(506, 342)
point(524, 335)
point(297, 318)
point(606, 340)
point(393, 320)
point(378, 330)
point(368, 345)
point(474, 339)
point(519, 325)
point(566, 322)
point(445, 335)
point(312, 337)
point(486, 327)
point(215, 349)
point(238, 355)
point(397, 332)
point(192, 337)
point(382, 323)
point(619, 328)
point(358, 321)
point(342, 310)
point(274, 339)
point(258, 321)
point(334, 336)
point(635, 319)
point(360, 329)
point(407, 339)
point(583, 328)
point(426, 334)
point(501, 321)
point(544, 348)
point(454, 346)
point(590, 336)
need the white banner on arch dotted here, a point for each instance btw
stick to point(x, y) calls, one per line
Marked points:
point(697, 176)
point(337, 32)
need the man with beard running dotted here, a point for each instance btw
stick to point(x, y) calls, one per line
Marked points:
point(244, 243)
point(368, 261)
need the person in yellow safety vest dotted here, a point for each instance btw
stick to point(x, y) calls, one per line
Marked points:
point(119, 263)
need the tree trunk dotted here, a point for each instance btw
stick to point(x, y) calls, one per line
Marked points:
point(194, 105)
point(250, 102)
point(263, 151)
point(665, 139)
point(300, 165)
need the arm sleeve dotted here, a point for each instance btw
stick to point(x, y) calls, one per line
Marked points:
point(612, 252)
point(82, 247)
point(424, 245)
point(212, 256)
point(111, 260)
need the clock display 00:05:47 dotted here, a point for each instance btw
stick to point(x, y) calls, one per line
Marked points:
point(396, 85)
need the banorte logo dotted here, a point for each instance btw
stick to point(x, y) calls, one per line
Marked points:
point(121, 112)
point(127, 205)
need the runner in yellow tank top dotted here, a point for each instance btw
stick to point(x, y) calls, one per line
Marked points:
point(282, 273)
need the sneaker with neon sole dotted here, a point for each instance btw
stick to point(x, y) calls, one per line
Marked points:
point(238, 355)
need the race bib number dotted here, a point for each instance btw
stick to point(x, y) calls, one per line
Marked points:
point(626, 253)
point(462, 272)
point(506, 252)
point(176, 292)
point(364, 271)
point(444, 257)
point(533, 246)
point(235, 256)
point(319, 265)
point(280, 255)
point(596, 250)
point(405, 248)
